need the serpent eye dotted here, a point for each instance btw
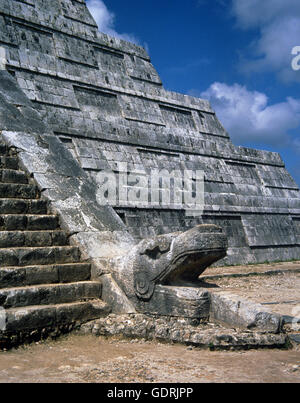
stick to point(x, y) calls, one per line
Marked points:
point(153, 253)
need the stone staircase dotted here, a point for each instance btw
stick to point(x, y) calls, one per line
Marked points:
point(45, 287)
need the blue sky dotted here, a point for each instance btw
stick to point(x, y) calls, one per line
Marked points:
point(235, 53)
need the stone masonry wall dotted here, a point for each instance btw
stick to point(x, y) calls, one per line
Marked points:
point(106, 104)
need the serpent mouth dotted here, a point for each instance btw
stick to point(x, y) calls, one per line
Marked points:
point(186, 268)
point(177, 259)
point(195, 249)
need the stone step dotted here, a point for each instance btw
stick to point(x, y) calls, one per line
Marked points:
point(18, 191)
point(3, 149)
point(46, 274)
point(9, 239)
point(48, 294)
point(28, 222)
point(23, 206)
point(52, 316)
point(44, 287)
point(13, 176)
point(38, 256)
point(8, 162)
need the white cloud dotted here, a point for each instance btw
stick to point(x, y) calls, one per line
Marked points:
point(249, 118)
point(256, 13)
point(278, 22)
point(105, 20)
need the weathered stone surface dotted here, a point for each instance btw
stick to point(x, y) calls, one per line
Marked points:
point(43, 283)
point(15, 191)
point(22, 206)
point(48, 294)
point(180, 330)
point(74, 103)
point(44, 274)
point(159, 275)
point(115, 296)
point(28, 222)
point(236, 312)
point(12, 176)
point(105, 102)
point(71, 192)
point(9, 162)
point(37, 318)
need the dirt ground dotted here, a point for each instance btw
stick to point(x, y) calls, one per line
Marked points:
point(90, 359)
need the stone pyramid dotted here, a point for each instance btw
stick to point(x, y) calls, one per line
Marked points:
point(103, 100)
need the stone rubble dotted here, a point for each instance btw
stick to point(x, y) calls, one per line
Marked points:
point(200, 334)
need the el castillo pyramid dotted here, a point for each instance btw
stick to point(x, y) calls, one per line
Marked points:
point(75, 102)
